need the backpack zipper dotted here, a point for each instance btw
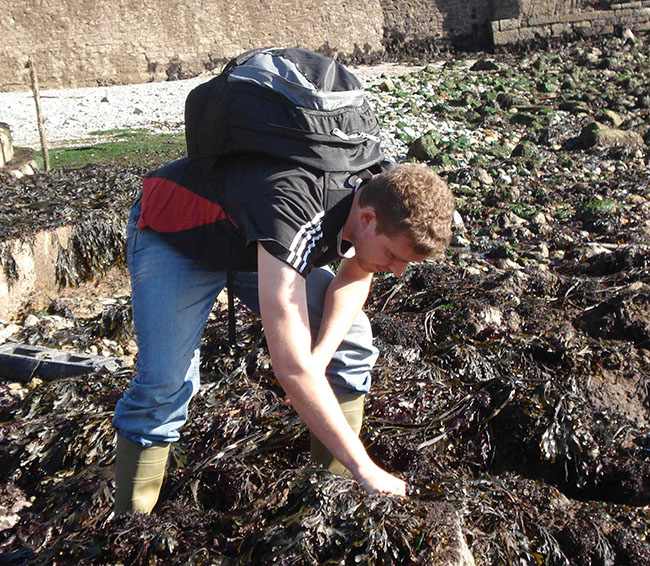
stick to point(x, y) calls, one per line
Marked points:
point(355, 135)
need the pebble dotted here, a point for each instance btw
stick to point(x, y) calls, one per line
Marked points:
point(7, 332)
point(484, 177)
point(457, 221)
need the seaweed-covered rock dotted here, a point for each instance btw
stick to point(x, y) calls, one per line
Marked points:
point(424, 148)
point(596, 134)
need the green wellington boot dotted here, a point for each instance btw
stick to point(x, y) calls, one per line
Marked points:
point(139, 474)
point(352, 407)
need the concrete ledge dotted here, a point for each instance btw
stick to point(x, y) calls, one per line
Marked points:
point(623, 5)
point(29, 269)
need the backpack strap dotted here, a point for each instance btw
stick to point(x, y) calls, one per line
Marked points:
point(232, 331)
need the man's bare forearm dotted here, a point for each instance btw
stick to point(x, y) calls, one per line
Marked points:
point(284, 314)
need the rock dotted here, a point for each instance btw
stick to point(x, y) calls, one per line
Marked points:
point(574, 106)
point(526, 149)
point(8, 331)
point(623, 316)
point(507, 101)
point(504, 177)
point(643, 101)
point(607, 63)
point(609, 117)
point(513, 193)
point(457, 221)
point(593, 249)
point(424, 148)
point(540, 253)
point(546, 87)
point(387, 86)
point(30, 320)
point(524, 119)
point(539, 219)
point(592, 58)
point(508, 264)
point(6, 146)
point(484, 65)
point(595, 134)
point(452, 549)
point(28, 168)
point(487, 318)
point(483, 176)
point(628, 36)
point(507, 219)
point(595, 208)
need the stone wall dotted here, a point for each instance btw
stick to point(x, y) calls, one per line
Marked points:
point(91, 42)
point(459, 22)
point(94, 42)
point(527, 20)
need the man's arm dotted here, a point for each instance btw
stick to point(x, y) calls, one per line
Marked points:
point(346, 295)
point(283, 304)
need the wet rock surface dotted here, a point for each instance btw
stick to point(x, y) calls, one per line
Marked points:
point(512, 390)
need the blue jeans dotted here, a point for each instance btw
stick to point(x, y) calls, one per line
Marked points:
point(172, 295)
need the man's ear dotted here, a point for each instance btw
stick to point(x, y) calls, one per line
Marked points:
point(367, 216)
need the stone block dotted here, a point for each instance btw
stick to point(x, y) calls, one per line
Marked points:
point(580, 17)
point(625, 5)
point(544, 20)
point(6, 146)
point(528, 34)
point(35, 262)
point(512, 23)
point(561, 29)
point(627, 13)
point(506, 9)
point(505, 37)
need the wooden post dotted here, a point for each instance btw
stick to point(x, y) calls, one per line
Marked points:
point(39, 113)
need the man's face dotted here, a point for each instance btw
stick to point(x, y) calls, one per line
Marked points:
point(382, 253)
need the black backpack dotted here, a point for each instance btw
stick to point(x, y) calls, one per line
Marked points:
point(292, 104)
point(296, 105)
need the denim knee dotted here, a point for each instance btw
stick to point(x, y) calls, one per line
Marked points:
point(349, 369)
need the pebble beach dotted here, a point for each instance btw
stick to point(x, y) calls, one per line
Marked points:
point(79, 115)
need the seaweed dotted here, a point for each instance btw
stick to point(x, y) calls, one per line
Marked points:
point(511, 391)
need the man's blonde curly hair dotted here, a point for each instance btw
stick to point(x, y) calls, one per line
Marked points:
point(411, 198)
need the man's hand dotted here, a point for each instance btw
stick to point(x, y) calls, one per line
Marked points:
point(380, 481)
